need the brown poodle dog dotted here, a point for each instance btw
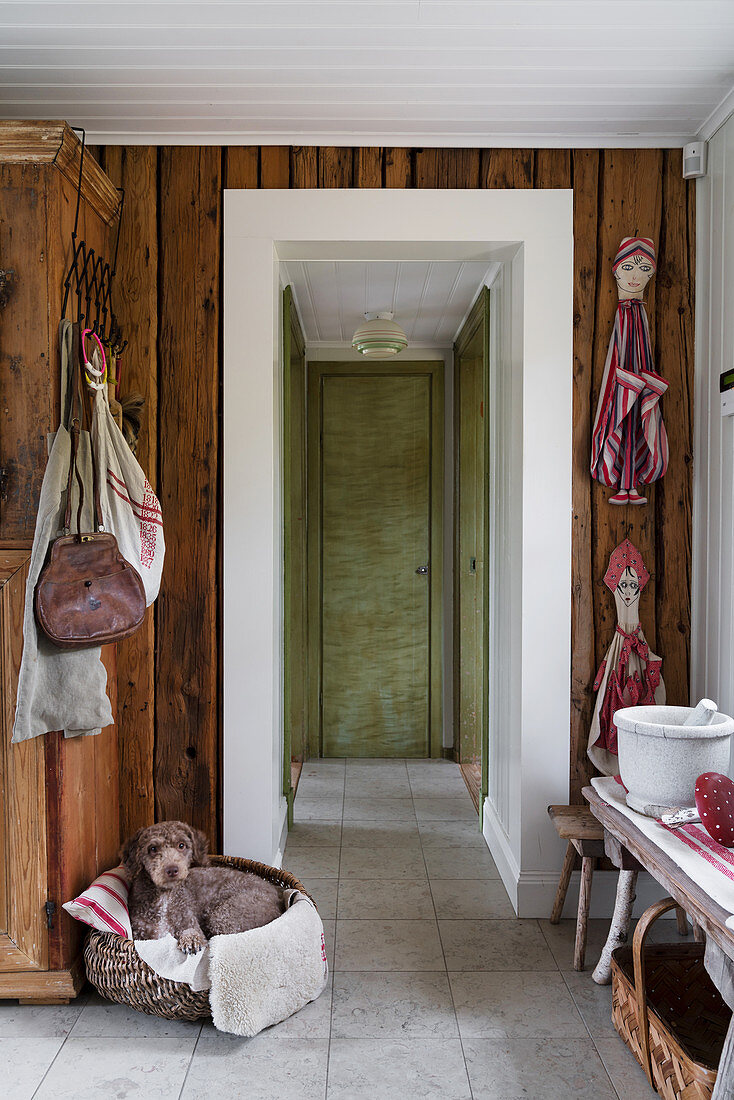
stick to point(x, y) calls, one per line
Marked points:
point(173, 889)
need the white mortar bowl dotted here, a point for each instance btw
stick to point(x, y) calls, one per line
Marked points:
point(660, 758)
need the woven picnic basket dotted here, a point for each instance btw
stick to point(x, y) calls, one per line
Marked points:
point(669, 1012)
point(117, 972)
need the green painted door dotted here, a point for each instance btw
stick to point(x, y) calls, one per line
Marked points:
point(471, 377)
point(379, 565)
point(295, 666)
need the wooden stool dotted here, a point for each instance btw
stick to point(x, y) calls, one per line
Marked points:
point(585, 835)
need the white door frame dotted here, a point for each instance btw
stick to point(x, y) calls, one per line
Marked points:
point(531, 233)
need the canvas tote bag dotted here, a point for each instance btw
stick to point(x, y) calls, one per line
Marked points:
point(59, 689)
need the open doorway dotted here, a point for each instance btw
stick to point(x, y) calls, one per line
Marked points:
point(530, 235)
point(393, 589)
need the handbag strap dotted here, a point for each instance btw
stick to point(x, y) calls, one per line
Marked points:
point(77, 415)
point(647, 919)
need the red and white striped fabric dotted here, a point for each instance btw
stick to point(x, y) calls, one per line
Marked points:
point(709, 864)
point(103, 905)
point(629, 444)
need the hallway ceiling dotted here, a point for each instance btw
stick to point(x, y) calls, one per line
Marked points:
point(404, 72)
point(429, 300)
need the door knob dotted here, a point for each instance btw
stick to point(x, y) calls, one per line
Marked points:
point(422, 570)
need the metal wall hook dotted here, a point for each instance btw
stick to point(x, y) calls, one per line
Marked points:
point(89, 276)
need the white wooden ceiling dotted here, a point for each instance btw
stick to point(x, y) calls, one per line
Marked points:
point(420, 72)
point(429, 300)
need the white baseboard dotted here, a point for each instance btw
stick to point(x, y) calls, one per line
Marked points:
point(536, 891)
point(532, 892)
point(498, 843)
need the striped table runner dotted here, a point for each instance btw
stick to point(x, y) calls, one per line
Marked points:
point(710, 865)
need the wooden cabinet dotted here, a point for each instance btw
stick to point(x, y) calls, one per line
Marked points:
point(59, 824)
point(59, 798)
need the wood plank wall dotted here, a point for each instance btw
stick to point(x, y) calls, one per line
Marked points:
point(169, 300)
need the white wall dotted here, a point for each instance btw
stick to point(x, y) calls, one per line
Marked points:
point(712, 649)
point(531, 233)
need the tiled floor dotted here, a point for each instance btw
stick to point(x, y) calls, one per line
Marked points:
point(436, 989)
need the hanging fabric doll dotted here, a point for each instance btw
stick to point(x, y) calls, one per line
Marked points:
point(629, 445)
point(630, 673)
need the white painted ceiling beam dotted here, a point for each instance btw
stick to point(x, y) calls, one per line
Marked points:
point(643, 14)
point(414, 72)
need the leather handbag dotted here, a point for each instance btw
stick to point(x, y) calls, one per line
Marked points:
point(87, 593)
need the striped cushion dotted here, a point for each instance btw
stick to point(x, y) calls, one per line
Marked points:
point(103, 905)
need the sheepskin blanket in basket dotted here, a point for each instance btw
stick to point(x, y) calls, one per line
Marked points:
point(255, 978)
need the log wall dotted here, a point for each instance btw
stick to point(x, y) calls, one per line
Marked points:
point(169, 301)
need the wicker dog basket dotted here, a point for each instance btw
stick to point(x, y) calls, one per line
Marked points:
point(117, 972)
point(669, 1012)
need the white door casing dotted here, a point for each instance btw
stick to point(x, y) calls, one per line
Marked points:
point(531, 234)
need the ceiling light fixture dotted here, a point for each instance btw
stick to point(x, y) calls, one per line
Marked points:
point(379, 337)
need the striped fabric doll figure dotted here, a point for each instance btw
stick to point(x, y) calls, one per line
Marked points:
point(629, 445)
point(630, 674)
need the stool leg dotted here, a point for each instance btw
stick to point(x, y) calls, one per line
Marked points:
point(682, 922)
point(579, 951)
point(563, 882)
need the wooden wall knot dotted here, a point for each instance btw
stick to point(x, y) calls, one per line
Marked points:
point(7, 285)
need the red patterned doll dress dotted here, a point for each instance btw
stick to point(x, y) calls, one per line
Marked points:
point(629, 675)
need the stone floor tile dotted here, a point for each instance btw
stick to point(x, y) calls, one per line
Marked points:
point(315, 834)
point(307, 863)
point(368, 808)
point(471, 898)
point(628, 1077)
point(376, 863)
point(324, 893)
point(24, 1062)
point(459, 862)
point(400, 1005)
point(593, 1001)
point(560, 938)
point(375, 762)
point(376, 783)
point(494, 945)
point(437, 808)
point(39, 1021)
point(326, 783)
point(103, 1019)
point(388, 945)
point(452, 834)
point(395, 898)
point(322, 764)
point(264, 1068)
point(150, 1068)
point(396, 835)
point(554, 1069)
point(528, 1005)
point(385, 1069)
point(442, 782)
point(314, 808)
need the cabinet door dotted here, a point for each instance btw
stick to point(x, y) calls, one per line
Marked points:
point(23, 871)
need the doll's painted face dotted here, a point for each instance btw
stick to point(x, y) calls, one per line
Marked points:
point(629, 587)
point(633, 275)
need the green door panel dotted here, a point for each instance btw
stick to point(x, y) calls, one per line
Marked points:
point(471, 612)
point(295, 638)
point(380, 654)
